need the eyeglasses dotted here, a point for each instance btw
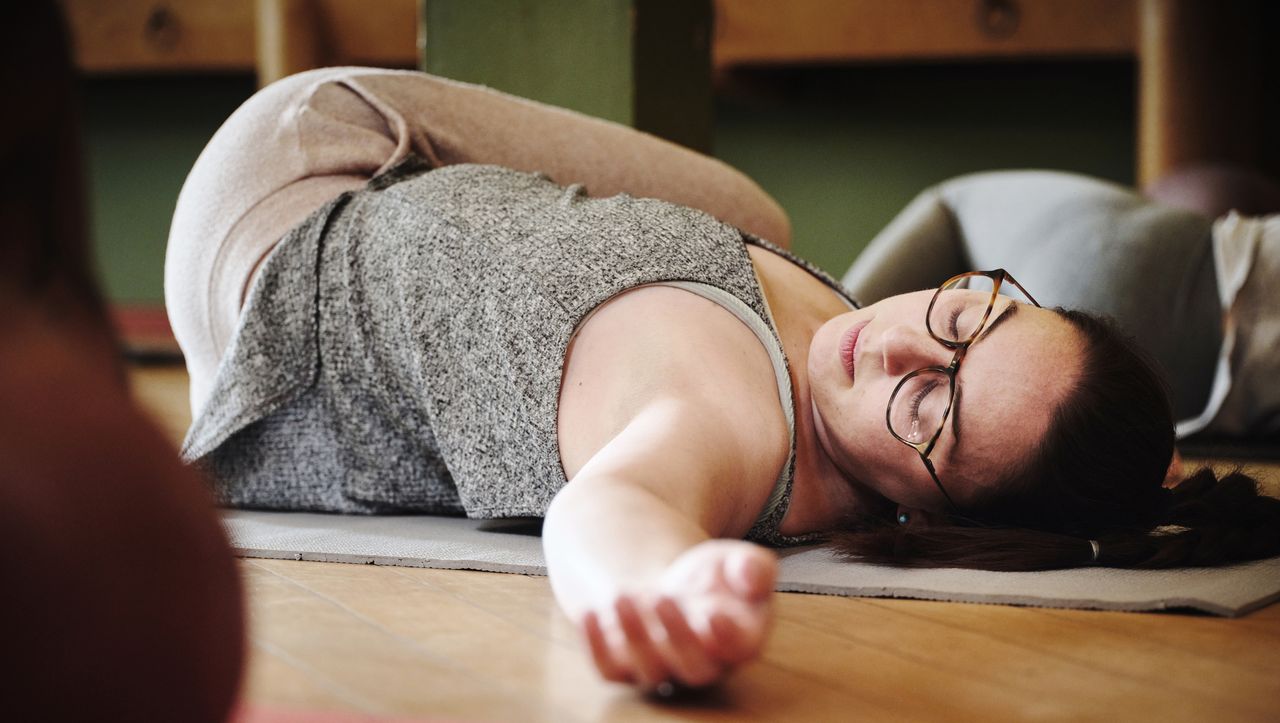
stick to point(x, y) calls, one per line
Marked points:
point(921, 403)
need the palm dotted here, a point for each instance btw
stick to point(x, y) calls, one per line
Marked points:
point(709, 613)
point(723, 578)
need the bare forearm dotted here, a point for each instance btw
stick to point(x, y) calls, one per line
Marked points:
point(632, 561)
point(601, 539)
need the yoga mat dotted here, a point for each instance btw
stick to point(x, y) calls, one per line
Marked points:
point(501, 546)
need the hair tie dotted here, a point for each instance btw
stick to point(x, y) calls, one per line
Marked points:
point(1097, 549)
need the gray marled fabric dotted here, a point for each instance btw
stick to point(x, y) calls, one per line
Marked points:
point(401, 350)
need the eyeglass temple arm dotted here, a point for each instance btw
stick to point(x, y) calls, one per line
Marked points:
point(1008, 276)
point(934, 474)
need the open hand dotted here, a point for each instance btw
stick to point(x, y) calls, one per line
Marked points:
point(709, 613)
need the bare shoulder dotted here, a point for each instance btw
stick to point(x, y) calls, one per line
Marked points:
point(665, 380)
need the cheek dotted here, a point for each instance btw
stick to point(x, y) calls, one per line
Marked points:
point(869, 402)
point(857, 420)
point(845, 411)
point(890, 467)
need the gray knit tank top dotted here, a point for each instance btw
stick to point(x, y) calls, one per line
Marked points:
point(401, 350)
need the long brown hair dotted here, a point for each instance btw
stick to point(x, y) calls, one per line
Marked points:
point(1097, 476)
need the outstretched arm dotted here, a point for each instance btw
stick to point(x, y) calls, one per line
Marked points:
point(632, 559)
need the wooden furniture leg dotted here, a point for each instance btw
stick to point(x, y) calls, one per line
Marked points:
point(1200, 85)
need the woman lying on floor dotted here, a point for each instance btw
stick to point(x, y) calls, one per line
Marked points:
point(374, 324)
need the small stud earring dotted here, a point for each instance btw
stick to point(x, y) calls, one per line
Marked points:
point(903, 518)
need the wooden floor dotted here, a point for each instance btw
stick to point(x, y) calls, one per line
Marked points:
point(488, 646)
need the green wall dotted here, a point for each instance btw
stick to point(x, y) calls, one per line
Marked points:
point(142, 135)
point(841, 148)
point(599, 50)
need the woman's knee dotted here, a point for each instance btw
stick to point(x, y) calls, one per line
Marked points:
point(254, 180)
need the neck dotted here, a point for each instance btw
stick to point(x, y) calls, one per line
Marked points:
point(822, 498)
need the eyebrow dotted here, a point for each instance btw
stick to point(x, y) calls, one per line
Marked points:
point(1008, 313)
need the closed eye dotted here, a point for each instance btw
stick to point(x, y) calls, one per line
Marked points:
point(918, 398)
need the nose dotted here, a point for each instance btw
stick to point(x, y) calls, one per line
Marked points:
point(905, 349)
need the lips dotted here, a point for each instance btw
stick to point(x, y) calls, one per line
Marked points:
point(849, 348)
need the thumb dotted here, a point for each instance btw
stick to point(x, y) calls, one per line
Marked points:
point(751, 572)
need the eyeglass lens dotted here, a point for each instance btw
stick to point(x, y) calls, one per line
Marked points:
point(958, 308)
point(918, 408)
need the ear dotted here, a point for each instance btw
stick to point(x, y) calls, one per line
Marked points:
point(917, 517)
point(1175, 473)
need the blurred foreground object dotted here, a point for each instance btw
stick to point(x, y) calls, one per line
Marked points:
point(122, 600)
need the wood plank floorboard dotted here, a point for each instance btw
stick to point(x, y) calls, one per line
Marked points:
point(1060, 646)
point(276, 678)
point(486, 646)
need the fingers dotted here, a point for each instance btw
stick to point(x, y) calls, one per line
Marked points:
point(752, 573)
point(637, 656)
point(691, 662)
point(735, 644)
point(609, 670)
point(646, 661)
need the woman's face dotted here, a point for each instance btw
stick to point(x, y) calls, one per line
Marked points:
point(1017, 372)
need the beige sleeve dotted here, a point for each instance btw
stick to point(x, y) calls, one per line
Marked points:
point(450, 122)
point(306, 138)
